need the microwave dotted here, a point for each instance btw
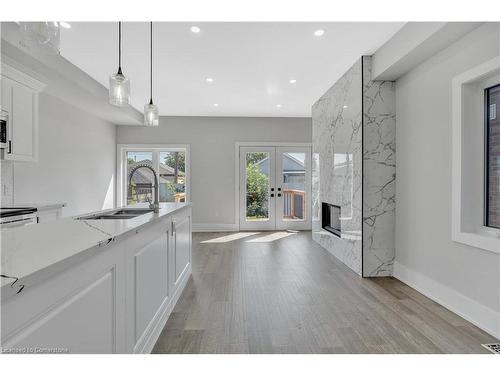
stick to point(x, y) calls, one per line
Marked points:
point(4, 126)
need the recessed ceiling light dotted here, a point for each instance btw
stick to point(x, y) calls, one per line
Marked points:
point(292, 81)
point(319, 32)
point(209, 79)
point(195, 29)
point(64, 25)
point(346, 106)
point(216, 104)
point(278, 105)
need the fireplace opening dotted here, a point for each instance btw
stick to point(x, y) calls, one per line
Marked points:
point(330, 218)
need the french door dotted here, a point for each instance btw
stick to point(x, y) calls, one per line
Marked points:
point(275, 188)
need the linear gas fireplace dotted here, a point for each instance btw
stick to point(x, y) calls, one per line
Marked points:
point(330, 218)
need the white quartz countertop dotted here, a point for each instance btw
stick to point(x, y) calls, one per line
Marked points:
point(33, 248)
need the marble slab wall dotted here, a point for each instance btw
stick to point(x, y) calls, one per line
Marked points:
point(379, 173)
point(337, 165)
point(354, 168)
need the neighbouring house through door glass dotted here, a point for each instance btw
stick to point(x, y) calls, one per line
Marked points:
point(172, 176)
point(294, 185)
point(140, 187)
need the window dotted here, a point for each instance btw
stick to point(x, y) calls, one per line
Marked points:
point(139, 188)
point(171, 164)
point(492, 156)
point(474, 189)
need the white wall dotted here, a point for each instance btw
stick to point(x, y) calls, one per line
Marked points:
point(77, 156)
point(212, 141)
point(463, 278)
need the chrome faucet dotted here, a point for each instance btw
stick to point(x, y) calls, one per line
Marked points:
point(156, 205)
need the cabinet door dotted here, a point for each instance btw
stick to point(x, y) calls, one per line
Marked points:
point(23, 123)
point(79, 310)
point(182, 245)
point(150, 284)
point(6, 104)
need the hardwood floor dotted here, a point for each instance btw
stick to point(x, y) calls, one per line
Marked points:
point(280, 292)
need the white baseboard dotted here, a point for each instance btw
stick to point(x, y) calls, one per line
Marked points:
point(215, 227)
point(147, 342)
point(482, 316)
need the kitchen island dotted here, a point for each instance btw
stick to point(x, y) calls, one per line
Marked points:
point(94, 286)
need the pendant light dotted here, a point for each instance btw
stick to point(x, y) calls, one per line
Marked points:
point(151, 117)
point(119, 85)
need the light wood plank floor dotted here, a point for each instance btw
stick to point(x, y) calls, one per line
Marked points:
point(279, 292)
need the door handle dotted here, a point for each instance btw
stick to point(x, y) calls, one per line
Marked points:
point(173, 228)
point(279, 189)
point(279, 195)
point(272, 195)
point(10, 147)
point(272, 189)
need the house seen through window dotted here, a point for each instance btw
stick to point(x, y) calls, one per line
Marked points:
point(170, 166)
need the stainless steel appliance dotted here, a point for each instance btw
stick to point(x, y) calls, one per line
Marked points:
point(11, 217)
point(4, 126)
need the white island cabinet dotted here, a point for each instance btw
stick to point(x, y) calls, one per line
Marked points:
point(111, 298)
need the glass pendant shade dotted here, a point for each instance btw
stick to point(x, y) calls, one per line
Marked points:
point(119, 89)
point(44, 33)
point(119, 85)
point(151, 112)
point(151, 115)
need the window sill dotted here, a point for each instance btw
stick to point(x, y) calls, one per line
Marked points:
point(483, 240)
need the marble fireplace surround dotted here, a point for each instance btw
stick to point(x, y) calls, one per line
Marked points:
point(354, 167)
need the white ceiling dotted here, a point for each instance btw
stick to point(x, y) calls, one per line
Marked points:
point(251, 63)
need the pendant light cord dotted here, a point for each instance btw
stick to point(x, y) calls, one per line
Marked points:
point(151, 66)
point(119, 47)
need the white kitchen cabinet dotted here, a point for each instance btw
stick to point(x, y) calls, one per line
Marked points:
point(20, 100)
point(116, 299)
point(150, 286)
point(81, 310)
point(181, 247)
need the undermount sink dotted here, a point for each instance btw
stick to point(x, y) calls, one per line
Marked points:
point(121, 214)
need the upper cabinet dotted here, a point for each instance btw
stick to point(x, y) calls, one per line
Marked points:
point(20, 100)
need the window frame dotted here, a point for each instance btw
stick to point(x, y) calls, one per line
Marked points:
point(487, 156)
point(467, 202)
point(121, 165)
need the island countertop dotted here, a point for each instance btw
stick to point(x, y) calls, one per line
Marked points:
point(29, 250)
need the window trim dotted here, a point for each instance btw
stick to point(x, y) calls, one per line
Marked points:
point(477, 78)
point(123, 148)
point(487, 156)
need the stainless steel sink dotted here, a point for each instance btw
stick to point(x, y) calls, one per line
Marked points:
point(121, 214)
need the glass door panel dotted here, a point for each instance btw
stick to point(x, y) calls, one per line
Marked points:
point(256, 188)
point(293, 176)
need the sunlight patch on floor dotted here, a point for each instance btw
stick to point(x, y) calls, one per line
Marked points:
point(230, 237)
point(272, 237)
